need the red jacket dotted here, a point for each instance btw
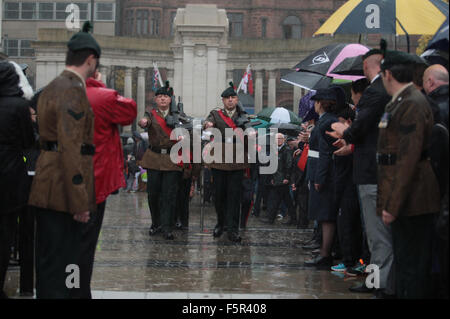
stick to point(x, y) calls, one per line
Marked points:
point(110, 110)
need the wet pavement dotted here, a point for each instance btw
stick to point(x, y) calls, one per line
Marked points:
point(267, 264)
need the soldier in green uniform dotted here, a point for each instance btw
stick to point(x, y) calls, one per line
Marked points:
point(408, 192)
point(227, 177)
point(164, 176)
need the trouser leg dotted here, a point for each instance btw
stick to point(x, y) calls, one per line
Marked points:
point(26, 248)
point(379, 237)
point(170, 182)
point(154, 193)
point(233, 199)
point(7, 224)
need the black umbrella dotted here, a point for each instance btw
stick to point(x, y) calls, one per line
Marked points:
point(350, 66)
point(434, 56)
point(307, 80)
point(324, 60)
point(440, 39)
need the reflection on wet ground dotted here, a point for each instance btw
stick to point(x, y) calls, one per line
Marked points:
point(267, 264)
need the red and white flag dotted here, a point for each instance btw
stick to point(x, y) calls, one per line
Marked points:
point(246, 84)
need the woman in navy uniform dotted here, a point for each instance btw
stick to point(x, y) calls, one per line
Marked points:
point(320, 175)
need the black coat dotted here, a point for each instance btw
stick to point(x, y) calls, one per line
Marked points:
point(322, 206)
point(363, 132)
point(438, 100)
point(284, 168)
point(16, 135)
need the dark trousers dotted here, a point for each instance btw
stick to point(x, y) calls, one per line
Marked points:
point(26, 248)
point(277, 195)
point(7, 228)
point(302, 197)
point(412, 245)
point(348, 224)
point(162, 188)
point(261, 193)
point(90, 233)
point(58, 244)
point(228, 189)
point(182, 209)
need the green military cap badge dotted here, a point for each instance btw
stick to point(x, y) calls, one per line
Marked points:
point(229, 91)
point(392, 58)
point(84, 40)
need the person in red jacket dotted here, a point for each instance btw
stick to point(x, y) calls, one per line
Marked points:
point(110, 110)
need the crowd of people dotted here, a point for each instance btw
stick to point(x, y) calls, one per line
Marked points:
point(369, 177)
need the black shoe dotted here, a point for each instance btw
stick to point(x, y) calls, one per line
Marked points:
point(169, 236)
point(154, 230)
point(312, 246)
point(362, 289)
point(320, 262)
point(234, 237)
point(218, 231)
point(26, 294)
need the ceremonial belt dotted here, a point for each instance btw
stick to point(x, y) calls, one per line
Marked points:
point(391, 158)
point(160, 150)
point(314, 154)
point(52, 146)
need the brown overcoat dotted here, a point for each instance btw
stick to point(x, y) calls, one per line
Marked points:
point(159, 139)
point(64, 179)
point(409, 187)
point(237, 163)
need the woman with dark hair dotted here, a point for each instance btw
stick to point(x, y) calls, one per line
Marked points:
point(320, 174)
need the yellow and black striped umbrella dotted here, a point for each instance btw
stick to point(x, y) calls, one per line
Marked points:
point(386, 17)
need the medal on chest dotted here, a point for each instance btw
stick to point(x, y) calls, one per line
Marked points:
point(384, 122)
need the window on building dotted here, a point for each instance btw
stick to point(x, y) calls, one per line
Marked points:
point(25, 48)
point(129, 20)
point(235, 24)
point(61, 11)
point(155, 22)
point(104, 11)
point(142, 22)
point(12, 48)
point(263, 27)
point(84, 11)
point(18, 48)
point(172, 20)
point(292, 28)
point(28, 11)
point(11, 10)
point(46, 10)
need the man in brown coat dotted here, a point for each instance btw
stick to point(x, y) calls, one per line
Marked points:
point(63, 187)
point(163, 175)
point(227, 175)
point(408, 192)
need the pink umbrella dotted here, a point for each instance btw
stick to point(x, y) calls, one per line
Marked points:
point(324, 60)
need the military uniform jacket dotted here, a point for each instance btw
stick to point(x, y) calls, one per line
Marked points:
point(320, 168)
point(215, 118)
point(158, 139)
point(408, 187)
point(284, 168)
point(64, 179)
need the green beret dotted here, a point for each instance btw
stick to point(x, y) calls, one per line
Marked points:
point(392, 58)
point(84, 40)
point(165, 90)
point(229, 91)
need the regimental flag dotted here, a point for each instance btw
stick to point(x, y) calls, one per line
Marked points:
point(156, 78)
point(246, 84)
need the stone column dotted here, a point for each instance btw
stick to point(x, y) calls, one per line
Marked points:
point(104, 71)
point(272, 93)
point(141, 93)
point(259, 78)
point(127, 92)
point(170, 78)
point(200, 50)
point(297, 97)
